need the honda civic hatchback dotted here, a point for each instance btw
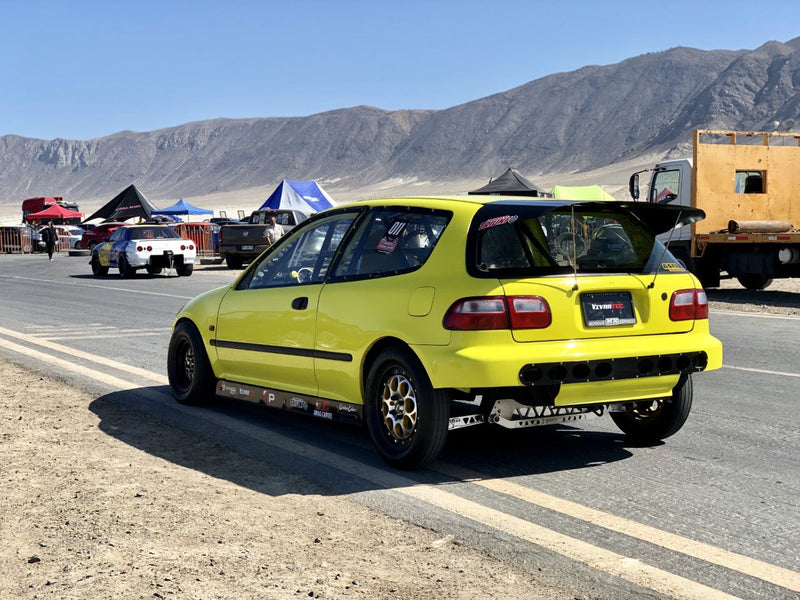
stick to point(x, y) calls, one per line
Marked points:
point(417, 316)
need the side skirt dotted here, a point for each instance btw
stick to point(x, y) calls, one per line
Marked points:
point(320, 408)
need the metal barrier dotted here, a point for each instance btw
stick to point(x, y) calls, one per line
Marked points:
point(203, 236)
point(64, 242)
point(15, 240)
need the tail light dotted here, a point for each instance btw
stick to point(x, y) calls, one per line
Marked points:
point(142, 248)
point(498, 312)
point(688, 305)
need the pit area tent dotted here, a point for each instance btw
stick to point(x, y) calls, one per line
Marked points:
point(56, 213)
point(305, 196)
point(130, 203)
point(182, 207)
point(581, 192)
point(510, 183)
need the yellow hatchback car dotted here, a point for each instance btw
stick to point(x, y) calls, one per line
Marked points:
point(416, 316)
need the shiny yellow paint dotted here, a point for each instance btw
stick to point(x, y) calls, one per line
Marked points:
point(353, 318)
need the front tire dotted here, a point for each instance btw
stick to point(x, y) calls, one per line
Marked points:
point(190, 376)
point(651, 421)
point(406, 417)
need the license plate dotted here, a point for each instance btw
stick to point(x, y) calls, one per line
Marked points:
point(606, 309)
point(247, 247)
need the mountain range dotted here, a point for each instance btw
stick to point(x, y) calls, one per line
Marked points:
point(575, 121)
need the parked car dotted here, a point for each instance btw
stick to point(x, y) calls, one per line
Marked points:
point(99, 233)
point(151, 246)
point(74, 232)
point(417, 316)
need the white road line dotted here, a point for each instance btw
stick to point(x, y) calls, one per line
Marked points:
point(764, 371)
point(677, 543)
point(102, 287)
point(603, 560)
point(101, 360)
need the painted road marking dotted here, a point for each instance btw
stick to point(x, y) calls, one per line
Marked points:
point(102, 287)
point(613, 563)
point(677, 543)
point(763, 371)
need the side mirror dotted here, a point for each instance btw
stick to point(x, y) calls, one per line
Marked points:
point(633, 186)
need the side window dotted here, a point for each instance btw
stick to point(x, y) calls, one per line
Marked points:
point(750, 182)
point(303, 257)
point(117, 236)
point(390, 241)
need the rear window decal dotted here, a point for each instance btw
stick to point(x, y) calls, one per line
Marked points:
point(388, 242)
point(504, 220)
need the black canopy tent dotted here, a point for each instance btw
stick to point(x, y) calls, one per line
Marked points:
point(130, 203)
point(510, 183)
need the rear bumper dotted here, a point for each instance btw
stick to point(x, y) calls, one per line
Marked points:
point(593, 371)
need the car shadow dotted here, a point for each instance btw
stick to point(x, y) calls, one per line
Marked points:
point(249, 445)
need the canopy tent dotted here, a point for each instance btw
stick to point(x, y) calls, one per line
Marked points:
point(305, 196)
point(130, 203)
point(182, 207)
point(510, 183)
point(581, 192)
point(54, 212)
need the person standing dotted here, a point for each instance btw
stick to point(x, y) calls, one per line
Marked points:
point(50, 239)
point(273, 232)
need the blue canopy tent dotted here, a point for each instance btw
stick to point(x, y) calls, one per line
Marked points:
point(305, 196)
point(181, 207)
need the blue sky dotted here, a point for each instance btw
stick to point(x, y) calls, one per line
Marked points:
point(83, 69)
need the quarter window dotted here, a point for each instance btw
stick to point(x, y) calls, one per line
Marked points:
point(390, 241)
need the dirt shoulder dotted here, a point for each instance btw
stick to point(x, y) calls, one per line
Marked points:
point(85, 515)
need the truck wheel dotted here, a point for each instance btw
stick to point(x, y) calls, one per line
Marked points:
point(406, 418)
point(190, 376)
point(234, 262)
point(649, 422)
point(754, 282)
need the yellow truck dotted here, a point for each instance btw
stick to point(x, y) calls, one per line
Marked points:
point(748, 184)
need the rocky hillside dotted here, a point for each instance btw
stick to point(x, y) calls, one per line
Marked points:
point(581, 120)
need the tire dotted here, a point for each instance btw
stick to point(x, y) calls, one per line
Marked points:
point(97, 268)
point(92, 244)
point(153, 270)
point(754, 282)
point(125, 268)
point(234, 262)
point(185, 270)
point(190, 376)
point(651, 422)
point(410, 434)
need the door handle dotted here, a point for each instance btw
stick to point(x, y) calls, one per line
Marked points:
point(300, 303)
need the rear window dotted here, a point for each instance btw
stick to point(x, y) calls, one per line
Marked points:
point(524, 240)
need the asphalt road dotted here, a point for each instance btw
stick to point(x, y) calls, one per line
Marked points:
point(711, 513)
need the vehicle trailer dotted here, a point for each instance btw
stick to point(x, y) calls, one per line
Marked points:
point(748, 184)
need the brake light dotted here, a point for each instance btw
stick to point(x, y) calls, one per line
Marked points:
point(498, 312)
point(688, 305)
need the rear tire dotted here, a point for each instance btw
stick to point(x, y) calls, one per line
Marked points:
point(97, 268)
point(125, 268)
point(153, 270)
point(191, 378)
point(652, 421)
point(406, 417)
point(754, 282)
point(185, 270)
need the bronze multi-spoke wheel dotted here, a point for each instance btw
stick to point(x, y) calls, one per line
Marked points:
point(407, 419)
